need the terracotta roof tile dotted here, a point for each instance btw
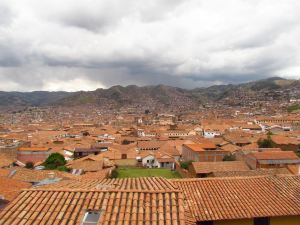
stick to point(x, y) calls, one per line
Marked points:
point(238, 198)
point(6, 160)
point(4, 172)
point(10, 188)
point(282, 140)
point(143, 183)
point(28, 175)
point(41, 149)
point(116, 207)
point(201, 147)
point(257, 172)
point(88, 163)
point(275, 155)
point(209, 167)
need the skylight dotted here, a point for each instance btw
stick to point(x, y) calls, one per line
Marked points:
point(91, 217)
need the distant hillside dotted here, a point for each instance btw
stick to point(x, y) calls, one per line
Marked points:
point(132, 95)
point(157, 96)
point(255, 88)
point(36, 98)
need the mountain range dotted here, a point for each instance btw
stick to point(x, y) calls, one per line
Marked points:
point(135, 95)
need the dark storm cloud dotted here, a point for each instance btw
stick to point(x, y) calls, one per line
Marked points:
point(8, 57)
point(74, 45)
point(101, 16)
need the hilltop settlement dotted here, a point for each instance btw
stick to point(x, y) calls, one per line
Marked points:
point(152, 155)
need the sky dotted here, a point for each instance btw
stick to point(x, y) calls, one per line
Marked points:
point(87, 44)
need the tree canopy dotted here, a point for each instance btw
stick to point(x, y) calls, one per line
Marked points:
point(229, 157)
point(266, 143)
point(54, 161)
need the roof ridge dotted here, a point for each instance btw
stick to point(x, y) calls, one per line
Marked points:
point(231, 178)
point(167, 190)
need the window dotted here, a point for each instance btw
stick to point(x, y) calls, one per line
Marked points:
point(205, 223)
point(262, 221)
point(91, 217)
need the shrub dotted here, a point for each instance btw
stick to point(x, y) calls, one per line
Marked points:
point(54, 161)
point(29, 165)
point(114, 174)
point(266, 143)
point(229, 157)
point(63, 168)
point(185, 164)
point(293, 108)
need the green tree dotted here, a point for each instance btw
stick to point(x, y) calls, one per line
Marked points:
point(114, 174)
point(229, 157)
point(63, 168)
point(293, 108)
point(185, 164)
point(54, 161)
point(266, 143)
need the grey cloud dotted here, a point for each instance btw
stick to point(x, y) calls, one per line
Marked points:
point(8, 56)
point(6, 15)
point(180, 43)
point(83, 19)
point(101, 16)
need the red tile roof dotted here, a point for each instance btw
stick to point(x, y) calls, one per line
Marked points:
point(282, 140)
point(6, 160)
point(4, 172)
point(257, 172)
point(275, 155)
point(28, 175)
point(131, 207)
point(238, 198)
point(209, 167)
point(201, 147)
point(10, 188)
point(40, 149)
point(88, 163)
point(142, 183)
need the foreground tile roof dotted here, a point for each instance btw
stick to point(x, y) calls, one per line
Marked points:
point(158, 201)
point(143, 183)
point(238, 198)
point(116, 207)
